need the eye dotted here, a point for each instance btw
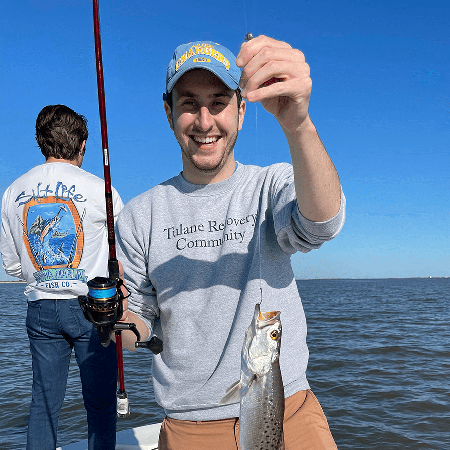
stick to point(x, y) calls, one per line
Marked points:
point(274, 334)
point(220, 104)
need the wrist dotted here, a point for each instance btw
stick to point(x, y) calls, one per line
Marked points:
point(305, 131)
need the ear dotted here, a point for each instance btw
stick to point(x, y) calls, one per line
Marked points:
point(241, 113)
point(80, 156)
point(169, 115)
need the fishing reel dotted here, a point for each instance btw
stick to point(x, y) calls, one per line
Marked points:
point(103, 307)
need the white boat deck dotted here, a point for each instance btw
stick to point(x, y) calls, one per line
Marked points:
point(141, 438)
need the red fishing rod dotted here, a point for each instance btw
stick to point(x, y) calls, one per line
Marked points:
point(103, 304)
point(113, 264)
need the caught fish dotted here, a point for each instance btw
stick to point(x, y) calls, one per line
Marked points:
point(260, 390)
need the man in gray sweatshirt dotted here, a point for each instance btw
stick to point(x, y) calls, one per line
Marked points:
point(198, 249)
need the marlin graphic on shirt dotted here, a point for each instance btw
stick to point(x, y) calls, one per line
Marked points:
point(49, 231)
point(51, 224)
point(53, 234)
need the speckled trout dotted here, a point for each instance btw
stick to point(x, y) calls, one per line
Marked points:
point(260, 389)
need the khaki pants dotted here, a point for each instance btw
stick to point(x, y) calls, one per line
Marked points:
point(305, 428)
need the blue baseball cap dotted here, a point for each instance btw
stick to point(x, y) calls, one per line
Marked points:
point(203, 55)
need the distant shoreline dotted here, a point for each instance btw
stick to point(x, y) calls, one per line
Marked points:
point(315, 279)
point(385, 278)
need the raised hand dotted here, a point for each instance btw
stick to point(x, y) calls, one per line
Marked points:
point(276, 75)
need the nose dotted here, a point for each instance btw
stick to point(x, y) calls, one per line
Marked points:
point(204, 119)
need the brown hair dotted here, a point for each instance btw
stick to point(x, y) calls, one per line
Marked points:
point(60, 132)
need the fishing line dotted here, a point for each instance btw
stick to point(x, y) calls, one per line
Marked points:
point(260, 269)
point(245, 17)
point(259, 225)
point(249, 36)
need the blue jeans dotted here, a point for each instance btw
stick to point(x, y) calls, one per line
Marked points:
point(55, 327)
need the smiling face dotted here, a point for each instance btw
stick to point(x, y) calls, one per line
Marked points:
point(205, 119)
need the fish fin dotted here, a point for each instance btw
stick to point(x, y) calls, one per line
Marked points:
point(232, 394)
point(247, 386)
point(235, 385)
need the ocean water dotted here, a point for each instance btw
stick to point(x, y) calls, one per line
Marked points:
point(16, 379)
point(379, 365)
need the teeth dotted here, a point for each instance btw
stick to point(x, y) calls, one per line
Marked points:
point(205, 140)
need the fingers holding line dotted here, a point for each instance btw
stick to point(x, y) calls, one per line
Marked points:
point(250, 48)
point(277, 78)
point(265, 62)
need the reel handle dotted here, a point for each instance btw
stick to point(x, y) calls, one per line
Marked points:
point(155, 345)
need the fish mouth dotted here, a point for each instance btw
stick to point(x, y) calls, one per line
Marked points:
point(267, 318)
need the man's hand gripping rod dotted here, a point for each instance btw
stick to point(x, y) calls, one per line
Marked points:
point(103, 304)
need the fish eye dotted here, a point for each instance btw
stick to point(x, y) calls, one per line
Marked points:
point(274, 334)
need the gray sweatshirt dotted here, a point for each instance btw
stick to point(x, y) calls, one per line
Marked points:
point(195, 258)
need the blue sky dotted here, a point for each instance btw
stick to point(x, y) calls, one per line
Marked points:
point(380, 101)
